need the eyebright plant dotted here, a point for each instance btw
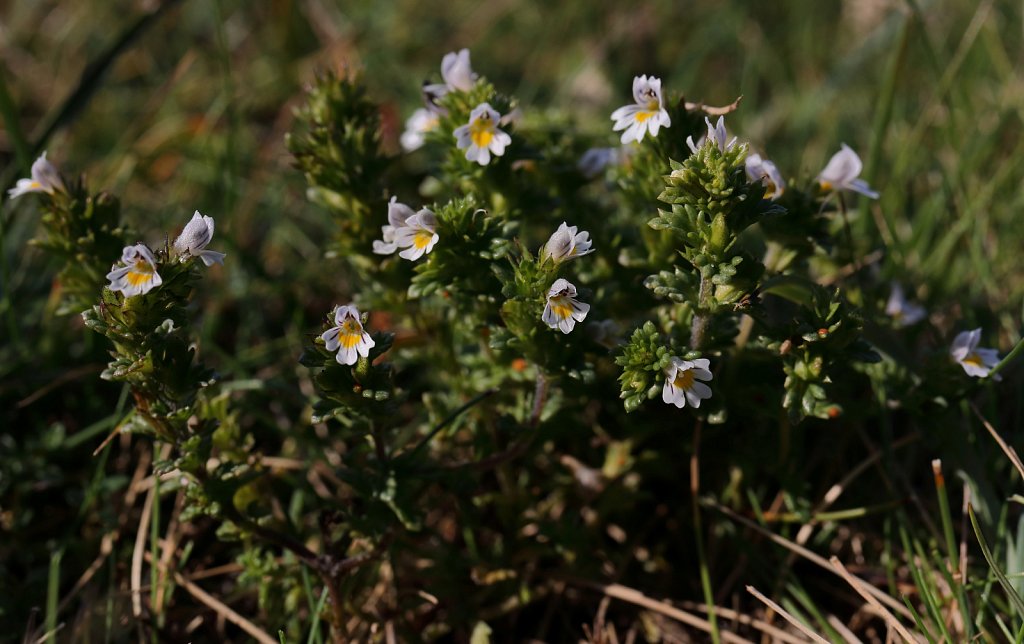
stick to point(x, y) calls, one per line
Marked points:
point(488, 345)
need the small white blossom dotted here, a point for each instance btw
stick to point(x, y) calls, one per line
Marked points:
point(976, 362)
point(843, 172)
point(648, 114)
point(138, 274)
point(903, 312)
point(763, 170)
point(716, 133)
point(458, 76)
point(562, 311)
point(595, 160)
point(398, 214)
point(416, 127)
point(348, 337)
point(45, 178)
point(457, 72)
point(481, 137)
point(418, 235)
point(565, 243)
point(194, 239)
point(682, 382)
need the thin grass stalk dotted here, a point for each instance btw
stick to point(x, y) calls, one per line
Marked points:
point(53, 595)
point(705, 575)
point(952, 550)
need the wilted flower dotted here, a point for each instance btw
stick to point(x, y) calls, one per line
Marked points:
point(976, 362)
point(682, 382)
point(716, 133)
point(647, 115)
point(416, 126)
point(194, 239)
point(418, 235)
point(138, 275)
point(565, 243)
point(842, 173)
point(45, 178)
point(595, 160)
point(763, 170)
point(348, 337)
point(481, 136)
point(562, 311)
point(904, 313)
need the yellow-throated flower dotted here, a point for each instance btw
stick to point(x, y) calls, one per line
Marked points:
point(347, 336)
point(763, 170)
point(481, 137)
point(416, 127)
point(45, 178)
point(138, 274)
point(565, 243)
point(194, 239)
point(976, 362)
point(562, 311)
point(683, 382)
point(902, 311)
point(648, 114)
point(843, 172)
point(417, 236)
point(716, 133)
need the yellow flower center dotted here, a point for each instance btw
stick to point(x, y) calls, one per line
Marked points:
point(561, 307)
point(683, 380)
point(422, 238)
point(351, 332)
point(141, 273)
point(973, 359)
point(770, 189)
point(826, 186)
point(481, 131)
point(643, 116)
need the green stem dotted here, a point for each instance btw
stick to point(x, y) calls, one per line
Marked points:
point(702, 316)
point(52, 595)
point(1009, 357)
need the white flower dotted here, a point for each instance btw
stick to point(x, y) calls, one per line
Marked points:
point(904, 313)
point(417, 125)
point(457, 72)
point(647, 115)
point(418, 235)
point(194, 239)
point(45, 178)
point(842, 173)
point(682, 382)
point(976, 362)
point(458, 76)
point(763, 170)
point(565, 243)
point(595, 160)
point(138, 275)
point(716, 133)
point(398, 214)
point(481, 137)
point(348, 337)
point(562, 311)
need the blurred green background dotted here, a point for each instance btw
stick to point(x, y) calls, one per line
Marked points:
point(192, 111)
